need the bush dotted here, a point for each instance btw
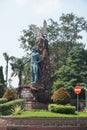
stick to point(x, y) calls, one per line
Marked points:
point(61, 96)
point(3, 100)
point(9, 94)
point(5, 109)
point(61, 109)
point(16, 110)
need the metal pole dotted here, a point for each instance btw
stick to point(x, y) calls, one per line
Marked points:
point(77, 109)
point(77, 103)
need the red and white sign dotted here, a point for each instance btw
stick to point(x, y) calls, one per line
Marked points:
point(77, 89)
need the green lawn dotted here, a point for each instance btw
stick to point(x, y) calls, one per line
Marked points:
point(42, 113)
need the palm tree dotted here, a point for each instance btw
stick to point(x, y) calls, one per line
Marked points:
point(17, 67)
point(7, 58)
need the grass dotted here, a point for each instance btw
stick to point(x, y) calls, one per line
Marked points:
point(44, 113)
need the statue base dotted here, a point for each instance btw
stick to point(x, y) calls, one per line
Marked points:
point(35, 105)
point(36, 96)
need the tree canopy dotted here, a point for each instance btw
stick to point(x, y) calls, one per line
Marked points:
point(74, 72)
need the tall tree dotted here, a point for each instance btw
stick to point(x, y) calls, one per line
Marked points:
point(74, 72)
point(64, 36)
point(17, 66)
point(7, 59)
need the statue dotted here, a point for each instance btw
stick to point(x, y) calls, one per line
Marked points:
point(42, 48)
point(35, 60)
point(38, 90)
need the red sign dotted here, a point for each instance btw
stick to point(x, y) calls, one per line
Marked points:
point(77, 89)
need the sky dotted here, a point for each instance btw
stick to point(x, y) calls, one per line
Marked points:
point(16, 15)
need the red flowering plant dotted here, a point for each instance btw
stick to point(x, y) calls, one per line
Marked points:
point(61, 96)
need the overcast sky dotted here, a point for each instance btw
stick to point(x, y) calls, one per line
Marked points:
point(16, 15)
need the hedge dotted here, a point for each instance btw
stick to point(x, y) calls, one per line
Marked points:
point(3, 100)
point(5, 109)
point(61, 109)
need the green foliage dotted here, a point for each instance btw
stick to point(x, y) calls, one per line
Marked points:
point(74, 72)
point(64, 36)
point(1, 75)
point(17, 66)
point(56, 85)
point(3, 100)
point(61, 109)
point(2, 82)
point(16, 110)
point(61, 96)
point(9, 94)
point(26, 78)
point(77, 61)
point(5, 109)
point(27, 39)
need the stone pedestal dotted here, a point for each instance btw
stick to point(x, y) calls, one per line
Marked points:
point(36, 97)
point(35, 105)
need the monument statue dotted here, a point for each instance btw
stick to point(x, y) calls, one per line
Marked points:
point(42, 48)
point(37, 92)
point(35, 60)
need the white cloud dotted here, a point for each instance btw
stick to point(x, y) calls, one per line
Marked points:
point(41, 7)
point(48, 6)
point(22, 2)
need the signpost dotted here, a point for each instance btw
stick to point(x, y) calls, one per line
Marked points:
point(77, 90)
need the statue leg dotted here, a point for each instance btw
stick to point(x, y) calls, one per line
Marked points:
point(35, 78)
point(36, 74)
point(32, 73)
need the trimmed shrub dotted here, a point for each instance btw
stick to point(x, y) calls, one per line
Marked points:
point(61, 109)
point(61, 96)
point(9, 94)
point(5, 109)
point(3, 100)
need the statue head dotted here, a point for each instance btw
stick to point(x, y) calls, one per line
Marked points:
point(34, 49)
